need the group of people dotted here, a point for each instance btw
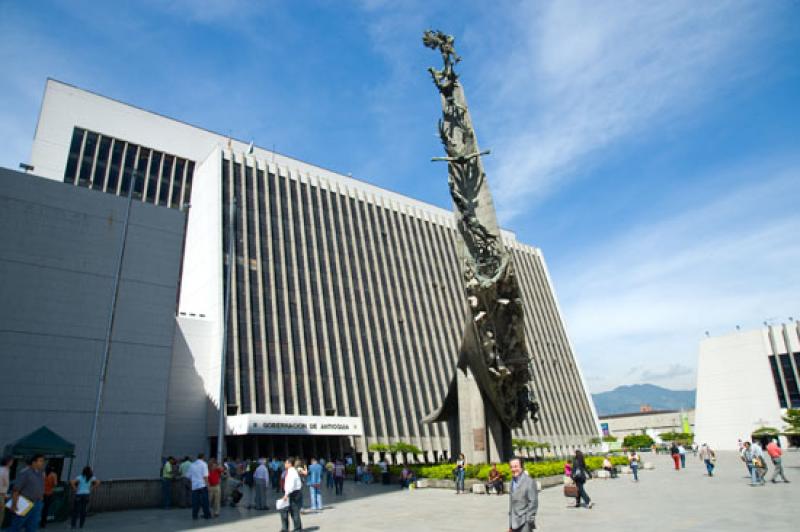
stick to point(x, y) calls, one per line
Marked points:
point(752, 454)
point(33, 491)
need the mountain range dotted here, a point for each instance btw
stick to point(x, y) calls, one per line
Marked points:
point(629, 399)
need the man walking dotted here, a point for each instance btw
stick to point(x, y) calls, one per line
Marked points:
point(198, 475)
point(682, 454)
point(708, 457)
point(523, 501)
point(261, 476)
point(314, 485)
point(292, 493)
point(167, 475)
point(775, 453)
point(30, 485)
point(186, 482)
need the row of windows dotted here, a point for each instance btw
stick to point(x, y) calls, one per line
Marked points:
point(108, 164)
point(358, 309)
point(786, 379)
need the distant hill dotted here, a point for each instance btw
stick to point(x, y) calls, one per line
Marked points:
point(627, 399)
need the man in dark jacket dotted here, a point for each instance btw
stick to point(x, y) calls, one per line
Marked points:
point(523, 501)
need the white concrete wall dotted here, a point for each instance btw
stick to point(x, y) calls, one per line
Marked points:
point(735, 389)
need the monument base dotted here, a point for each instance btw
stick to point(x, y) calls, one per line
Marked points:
point(481, 436)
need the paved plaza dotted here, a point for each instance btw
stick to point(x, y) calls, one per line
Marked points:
point(663, 500)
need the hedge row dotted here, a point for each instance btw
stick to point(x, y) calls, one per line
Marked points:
point(534, 469)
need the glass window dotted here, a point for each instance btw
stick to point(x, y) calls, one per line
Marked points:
point(153, 176)
point(791, 381)
point(74, 153)
point(116, 166)
point(777, 379)
point(141, 172)
point(166, 177)
point(88, 158)
point(99, 177)
point(180, 165)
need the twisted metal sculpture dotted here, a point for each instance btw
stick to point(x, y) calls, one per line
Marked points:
point(493, 345)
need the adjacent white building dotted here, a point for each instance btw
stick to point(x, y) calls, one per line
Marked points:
point(746, 380)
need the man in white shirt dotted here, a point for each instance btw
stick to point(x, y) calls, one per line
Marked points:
point(293, 494)
point(261, 477)
point(198, 475)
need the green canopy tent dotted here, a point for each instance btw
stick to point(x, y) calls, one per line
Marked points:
point(55, 449)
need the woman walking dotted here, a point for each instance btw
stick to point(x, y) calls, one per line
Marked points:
point(580, 475)
point(82, 485)
point(676, 456)
point(460, 472)
point(633, 460)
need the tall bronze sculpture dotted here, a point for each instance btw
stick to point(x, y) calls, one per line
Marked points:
point(490, 392)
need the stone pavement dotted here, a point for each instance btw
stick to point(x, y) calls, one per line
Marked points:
point(663, 500)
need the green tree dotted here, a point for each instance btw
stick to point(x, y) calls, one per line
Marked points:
point(792, 420)
point(637, 441)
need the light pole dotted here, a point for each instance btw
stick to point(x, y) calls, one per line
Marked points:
point(112, 311)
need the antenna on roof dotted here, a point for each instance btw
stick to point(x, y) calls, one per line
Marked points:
point(250, 148)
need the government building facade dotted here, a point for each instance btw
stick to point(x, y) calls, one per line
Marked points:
point(347, 302)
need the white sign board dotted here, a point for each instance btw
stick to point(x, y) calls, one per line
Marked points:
point(294, 425)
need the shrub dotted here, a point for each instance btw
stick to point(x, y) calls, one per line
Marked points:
point(637, 441)
point(534, 469)
point(684, 438)
point(610, 438)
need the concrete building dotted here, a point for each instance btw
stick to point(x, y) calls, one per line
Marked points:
point(746, 380)
point(652, 423)
point(59, 249)
point(347, 303)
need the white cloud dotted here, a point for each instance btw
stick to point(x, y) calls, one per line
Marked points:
point(589, 74)
point(640, 302)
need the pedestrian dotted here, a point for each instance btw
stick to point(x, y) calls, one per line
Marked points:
point(460, 473)
point(275, 473)
point(384, 471)
point(186, 482)
point(82, 485)
point(215, 475)
point(775, 453)
point(292, 491)
point(747, 458)
point(30, 485)
point(608, 466)
point(759, 464)
point(50, 483)
point(523, 502)
point(300, 467)
point(682, 454)
point(709, 457)
point(367, 476)
point(676, 456)
point(338, 476)
point(495, 481)
point(167, 478)
point(633, 461)
point(329, 474)
point(5, 470)
point(249, 484)
point(315, 485)
point(261, 477)
point(580, 475)
point(198, 474)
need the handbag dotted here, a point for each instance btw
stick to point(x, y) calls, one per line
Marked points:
point(570, 490)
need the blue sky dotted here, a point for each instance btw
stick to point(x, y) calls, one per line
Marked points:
point(651, 149)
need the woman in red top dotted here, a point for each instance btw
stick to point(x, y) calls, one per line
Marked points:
point(50, 483)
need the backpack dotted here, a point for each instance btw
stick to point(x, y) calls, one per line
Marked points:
point(579, 475)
